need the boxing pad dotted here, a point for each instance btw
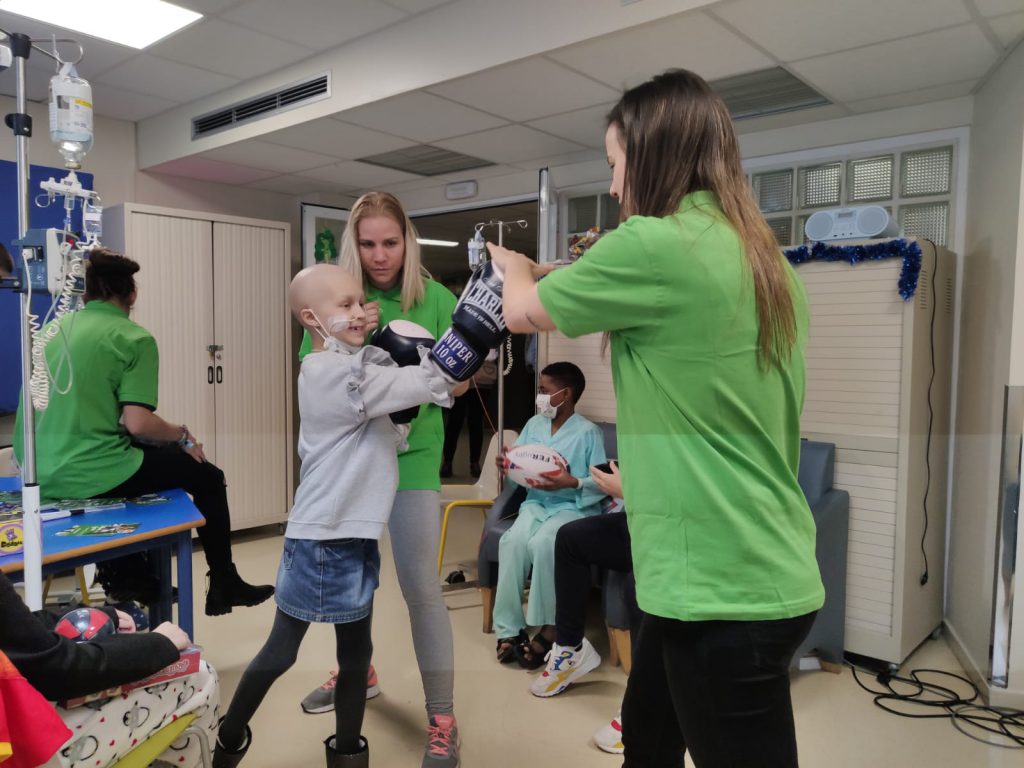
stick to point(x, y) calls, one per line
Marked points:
point(402, 340)
point(478, 326)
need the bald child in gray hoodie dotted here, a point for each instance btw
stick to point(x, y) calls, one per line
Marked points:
point(349, 447)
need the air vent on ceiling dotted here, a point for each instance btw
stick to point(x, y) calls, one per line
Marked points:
point(425, 160)
point(766, 92)
point(286, 98)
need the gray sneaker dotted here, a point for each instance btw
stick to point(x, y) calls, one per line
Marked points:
point(321, 698)
point(442, 743)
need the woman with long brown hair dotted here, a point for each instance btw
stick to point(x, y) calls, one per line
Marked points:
point(707, 324)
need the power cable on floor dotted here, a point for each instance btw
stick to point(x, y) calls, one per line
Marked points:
point(920, 695)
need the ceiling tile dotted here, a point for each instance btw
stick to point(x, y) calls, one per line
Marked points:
point(272, 157)
point(207, 7)
point(486, 172)
point(126, 105)
point(420, 116)
point(799, 29)
point(690, 40)
point(570, 158)
point(510, 144)
point(528, 89)
point(195, 167)
point(1009, 29)
point(416, 6)
point(229, 49)
point(321, 24)
point(919, 96)
point(584, 126)
point(900, 66)
point(359, 175)
point(997, 7)
point(335, 138)
point(297, 185)
point(168, 79)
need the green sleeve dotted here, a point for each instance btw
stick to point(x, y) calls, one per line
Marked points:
point(306, 346)
point(614, 286)
point(140, 380)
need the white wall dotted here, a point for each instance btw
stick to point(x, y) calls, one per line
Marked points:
point(991, 307)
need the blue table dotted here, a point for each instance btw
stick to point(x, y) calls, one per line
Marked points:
point(164, 529)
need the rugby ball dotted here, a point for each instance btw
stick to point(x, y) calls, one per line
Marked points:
point(529, 463)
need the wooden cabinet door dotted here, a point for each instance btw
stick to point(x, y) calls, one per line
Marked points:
point(175, 304)
point(250, 320)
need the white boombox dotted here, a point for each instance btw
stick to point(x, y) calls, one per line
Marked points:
point(862, 222)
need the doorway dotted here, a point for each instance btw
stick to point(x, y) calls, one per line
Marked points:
point(449, 265)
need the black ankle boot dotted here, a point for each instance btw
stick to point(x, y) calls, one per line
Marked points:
point(227, 590)
point(226, 758)
point(335, 759)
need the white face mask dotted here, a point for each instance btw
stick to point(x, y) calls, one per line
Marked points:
point(335, 324)
point(544, 406)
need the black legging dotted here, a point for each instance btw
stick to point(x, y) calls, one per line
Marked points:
point(354, 649)
point(719, 689)
point(169, 467)
point(601, 540)
point(468, 408)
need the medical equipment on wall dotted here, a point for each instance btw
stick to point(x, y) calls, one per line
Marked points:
point(861, 222)
point(52, 260)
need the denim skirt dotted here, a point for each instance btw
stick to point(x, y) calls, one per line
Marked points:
point(330, 582)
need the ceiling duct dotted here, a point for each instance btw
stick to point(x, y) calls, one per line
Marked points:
point(766, 92)
point(264, 105)
point(426, 160)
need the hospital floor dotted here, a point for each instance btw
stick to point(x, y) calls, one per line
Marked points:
point(502, 725)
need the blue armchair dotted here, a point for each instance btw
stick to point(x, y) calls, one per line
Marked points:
point(829, 506)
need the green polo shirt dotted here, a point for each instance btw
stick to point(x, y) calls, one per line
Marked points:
point(419, 467)
point(708, 441)
point(81, 447)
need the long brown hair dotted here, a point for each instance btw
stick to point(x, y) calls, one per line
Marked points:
point(679, 138)
point(385, 204)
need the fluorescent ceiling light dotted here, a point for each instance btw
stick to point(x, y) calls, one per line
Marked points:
point(135, 23)
point(442, 243)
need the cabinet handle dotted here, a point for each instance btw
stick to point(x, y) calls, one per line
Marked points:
point(209, 374)
point(220, 375)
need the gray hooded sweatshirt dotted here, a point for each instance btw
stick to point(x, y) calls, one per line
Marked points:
point(348, 445)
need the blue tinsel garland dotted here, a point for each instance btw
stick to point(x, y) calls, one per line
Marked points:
point(907, 250)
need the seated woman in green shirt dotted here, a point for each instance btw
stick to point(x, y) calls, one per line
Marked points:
point(101, 436)
point(708, 325)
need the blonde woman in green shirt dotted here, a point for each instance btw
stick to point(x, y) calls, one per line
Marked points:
point(379, 246)
point(707, 324)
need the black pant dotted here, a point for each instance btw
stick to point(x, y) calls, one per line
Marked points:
point(719, 689)
point(354, 650)
point(465, 408)
point(601, 540)
point(169, 467)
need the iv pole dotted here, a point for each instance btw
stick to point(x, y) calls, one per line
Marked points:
point(20, 123)
point(502, 225)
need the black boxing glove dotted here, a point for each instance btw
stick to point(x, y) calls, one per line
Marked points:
point(478, 326)
point(402, 340)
